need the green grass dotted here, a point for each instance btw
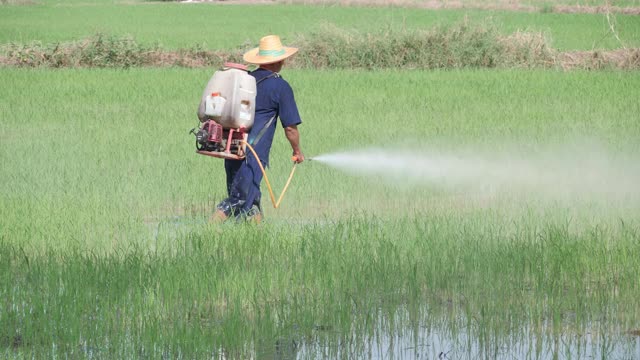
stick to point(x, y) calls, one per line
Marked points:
point(211, 26)
point(104, 250)
point(118, 144)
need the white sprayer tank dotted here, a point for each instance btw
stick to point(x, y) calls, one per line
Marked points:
point(229, 98)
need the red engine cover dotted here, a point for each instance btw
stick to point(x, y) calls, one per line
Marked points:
point(215, 131)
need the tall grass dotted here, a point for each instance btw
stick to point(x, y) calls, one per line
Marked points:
point(104, 51)
point(462, 45)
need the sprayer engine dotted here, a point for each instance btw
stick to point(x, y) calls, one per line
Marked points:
point(214, 140)
point(209, 137)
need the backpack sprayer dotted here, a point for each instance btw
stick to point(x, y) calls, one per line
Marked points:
point(227, 111)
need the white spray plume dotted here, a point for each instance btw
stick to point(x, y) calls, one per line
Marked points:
point(586, 172)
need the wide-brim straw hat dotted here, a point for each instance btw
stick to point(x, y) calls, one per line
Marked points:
point(270, 51)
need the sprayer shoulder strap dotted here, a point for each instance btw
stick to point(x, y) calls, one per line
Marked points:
point(273, 74)
point(264, 129)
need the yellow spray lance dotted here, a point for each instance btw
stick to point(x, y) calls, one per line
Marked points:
point(266, 179)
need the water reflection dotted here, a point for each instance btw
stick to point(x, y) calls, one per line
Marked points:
point(428, 340)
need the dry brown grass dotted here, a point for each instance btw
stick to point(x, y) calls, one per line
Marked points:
point(603, 9)
point(428, 4)
point(625, 59)
point(527, 48)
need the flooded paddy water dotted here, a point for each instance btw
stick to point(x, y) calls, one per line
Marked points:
point(433, 340)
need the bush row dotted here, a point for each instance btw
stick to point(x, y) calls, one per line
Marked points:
point(459, 46)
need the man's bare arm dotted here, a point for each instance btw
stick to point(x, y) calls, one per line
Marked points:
point(292, 134)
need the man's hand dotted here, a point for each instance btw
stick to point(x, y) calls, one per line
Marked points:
point(297, 157)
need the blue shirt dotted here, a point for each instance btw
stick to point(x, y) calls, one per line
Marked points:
point(274, 98)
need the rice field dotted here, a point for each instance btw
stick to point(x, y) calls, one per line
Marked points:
point(106, 251)
point(525, 245)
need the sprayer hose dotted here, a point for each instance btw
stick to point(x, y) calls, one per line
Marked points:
point(266, 179)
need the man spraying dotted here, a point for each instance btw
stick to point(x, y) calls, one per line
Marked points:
point(274, 99)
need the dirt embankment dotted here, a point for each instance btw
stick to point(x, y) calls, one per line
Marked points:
point(506, 5)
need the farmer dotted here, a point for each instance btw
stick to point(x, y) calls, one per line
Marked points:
point(274, 99)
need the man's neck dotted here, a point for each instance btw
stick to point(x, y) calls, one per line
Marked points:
point(275, 67)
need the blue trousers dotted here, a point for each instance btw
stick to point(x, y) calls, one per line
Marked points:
point(243, 187)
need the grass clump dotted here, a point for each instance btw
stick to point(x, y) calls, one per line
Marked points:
point(627, 59)
point(105, 51)
point(461, 46)
point(97, 51)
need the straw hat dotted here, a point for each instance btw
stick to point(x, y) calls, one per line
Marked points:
point(270, 51)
